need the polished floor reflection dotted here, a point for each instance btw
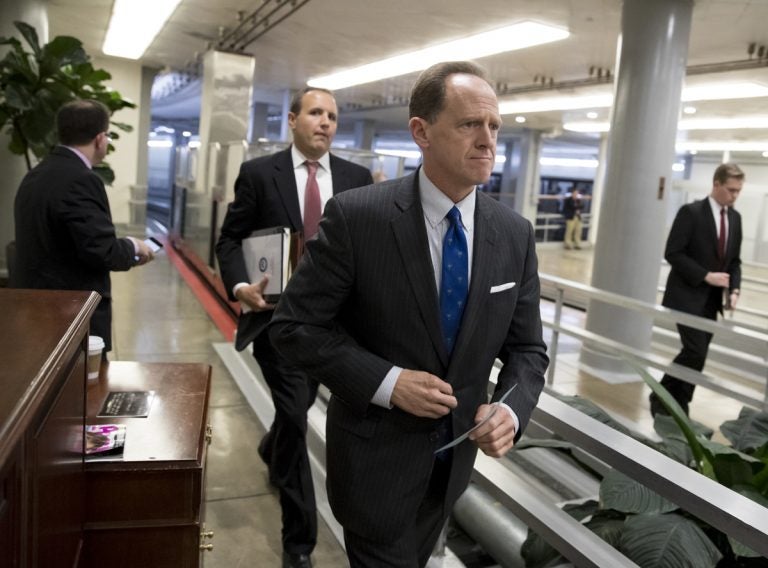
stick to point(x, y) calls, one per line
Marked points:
point(157, 318)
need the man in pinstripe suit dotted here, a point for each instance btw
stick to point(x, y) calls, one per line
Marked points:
point(362, 314)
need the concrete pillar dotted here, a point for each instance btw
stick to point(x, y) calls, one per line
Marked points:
point(528, 182)
point(34, 13)
point(285, 131)
point(259, 114)
point(597, 190)
point(641, 149)
point(509, 171)
point(364, 132)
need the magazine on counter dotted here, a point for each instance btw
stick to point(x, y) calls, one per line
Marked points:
point(104, 441)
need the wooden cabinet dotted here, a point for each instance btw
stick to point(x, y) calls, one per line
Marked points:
point(146, 509)
point(43, 345)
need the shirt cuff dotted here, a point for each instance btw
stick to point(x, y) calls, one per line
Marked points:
point(135, 243)
point(513, 415)
point(243, 308)
point(383, 394)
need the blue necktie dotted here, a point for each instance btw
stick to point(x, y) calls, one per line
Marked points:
point(453, 282)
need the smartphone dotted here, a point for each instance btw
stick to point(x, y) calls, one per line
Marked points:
point(153, 244)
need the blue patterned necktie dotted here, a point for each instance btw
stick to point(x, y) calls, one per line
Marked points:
point(453, 282)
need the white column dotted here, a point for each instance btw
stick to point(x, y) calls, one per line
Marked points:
point(641, 149)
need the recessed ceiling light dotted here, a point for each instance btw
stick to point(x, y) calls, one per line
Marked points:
point(509, 38)
point(134, 25)
point(520, 119)
point(592, 115)
point(689, 110)
point(678, 167)
point(693, 152)
point(765, 154)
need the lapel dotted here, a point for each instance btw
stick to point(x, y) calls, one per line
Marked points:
point(337, 174)
point(482, 262)
point(285, 186)
point(710, 226)
point(411, 237)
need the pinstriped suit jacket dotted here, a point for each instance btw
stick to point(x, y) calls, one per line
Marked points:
point(364, 299)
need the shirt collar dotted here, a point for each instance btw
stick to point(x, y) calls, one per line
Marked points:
point(299, 159)
point(436, 204)
point(81, 156)
point(716, 206)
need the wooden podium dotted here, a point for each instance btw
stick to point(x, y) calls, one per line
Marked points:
point(147, 507)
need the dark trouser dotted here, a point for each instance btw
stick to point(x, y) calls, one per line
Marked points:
point(415, 546)
point(284, 448)
point(693, 355)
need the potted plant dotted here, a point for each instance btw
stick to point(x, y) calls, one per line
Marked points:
point(35, 83)
point(649, 529)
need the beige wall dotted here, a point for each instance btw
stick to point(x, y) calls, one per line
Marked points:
point(127, 80)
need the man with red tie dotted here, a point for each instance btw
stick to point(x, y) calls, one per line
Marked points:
point(286, 189)
point(703, 250)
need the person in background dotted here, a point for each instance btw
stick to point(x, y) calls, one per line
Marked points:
point(704, 252)
point(413, 288)
point(286, 189)
point(65, 238)
point(572, 206)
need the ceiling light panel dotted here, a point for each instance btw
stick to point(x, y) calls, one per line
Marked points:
point(510, 38)
point(134, 25)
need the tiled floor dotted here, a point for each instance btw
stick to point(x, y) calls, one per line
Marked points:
point(157, 318)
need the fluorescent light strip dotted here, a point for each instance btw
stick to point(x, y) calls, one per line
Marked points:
point(569, 162)
point(509, 38)
point(757, 146)
point(708, 92)
point(684, 124)
point(134, 25)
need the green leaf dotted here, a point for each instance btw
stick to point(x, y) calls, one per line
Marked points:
point(667, 541)
point(608, 525)
point(105, 172)
point(749, 431)
point(124, 126)
point(30, 36)
point(731, 466)
point(64, 50)
point(538, 553)
point(18, 97)
point(624, 494)
point(682, 420)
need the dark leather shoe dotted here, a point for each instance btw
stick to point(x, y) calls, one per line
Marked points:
point(296, 560)
point(265, 448)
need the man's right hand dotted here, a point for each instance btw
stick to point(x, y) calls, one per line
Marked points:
point(144, 254)
point(718, 279)
point(252, 296)
point(422, 394)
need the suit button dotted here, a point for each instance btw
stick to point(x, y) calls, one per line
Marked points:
point(434, 437)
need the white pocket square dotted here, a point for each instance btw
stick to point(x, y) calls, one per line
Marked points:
point(502, 287)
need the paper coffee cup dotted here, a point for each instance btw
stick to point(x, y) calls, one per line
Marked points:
point(95, 347)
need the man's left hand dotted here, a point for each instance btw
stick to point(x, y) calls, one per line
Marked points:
point(734, 300)
point(497, 436)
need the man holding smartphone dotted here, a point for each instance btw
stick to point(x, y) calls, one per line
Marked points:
point(65, 238)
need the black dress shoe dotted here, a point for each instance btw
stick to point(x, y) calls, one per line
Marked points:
point(296, 560)
point(265, 448)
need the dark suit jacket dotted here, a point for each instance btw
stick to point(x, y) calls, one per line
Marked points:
point(65, 239)
point(364, 299)
point(692, 252)
point(265, 197)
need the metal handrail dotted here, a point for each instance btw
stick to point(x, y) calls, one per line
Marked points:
point(750, 340)
point(739, 517)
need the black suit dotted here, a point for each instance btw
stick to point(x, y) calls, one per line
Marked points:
point(692, 252)
point(364, 299)
point(65, 239)
point(266, 196)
